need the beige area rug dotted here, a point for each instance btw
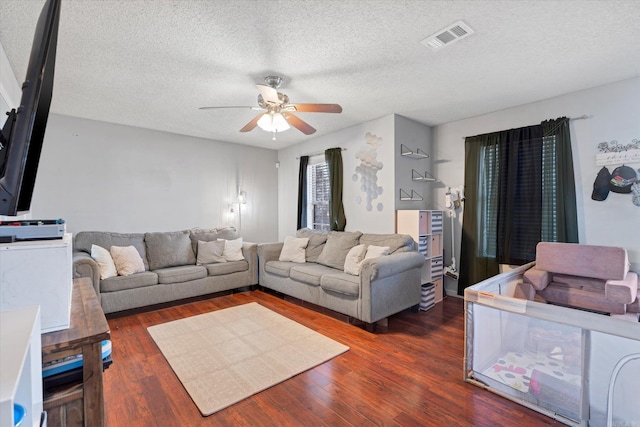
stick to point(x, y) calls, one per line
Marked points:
point(227, 355)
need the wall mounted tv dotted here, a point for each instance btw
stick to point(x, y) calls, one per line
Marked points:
point(23, 132)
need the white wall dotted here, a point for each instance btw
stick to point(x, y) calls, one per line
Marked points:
point(613, 114)
point(377, 148)
point(103, 176)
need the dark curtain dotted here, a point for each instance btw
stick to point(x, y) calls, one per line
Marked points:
point(519, 215)
point(476, 265)
point(302, 193)
point(567, 211)
point(337, 219)
point(520, 190)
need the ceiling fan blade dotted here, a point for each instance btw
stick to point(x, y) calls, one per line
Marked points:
point(317, 108)
point(301, 125)
point(245, 107)
point(252, 124)
point(269, 94)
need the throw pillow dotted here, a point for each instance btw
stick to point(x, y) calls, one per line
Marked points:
point(210, 252)
point(317, 240)
point(106, 267)
point(127, 260)
point(353, 261)
point(376, 251)
point(233, 249)
point(294, 249)
point(169, 249)
point(338, 245)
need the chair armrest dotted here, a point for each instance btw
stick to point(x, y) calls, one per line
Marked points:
point(85, 266)
point(539, 279)
point(389, 265)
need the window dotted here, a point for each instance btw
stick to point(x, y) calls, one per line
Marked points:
point(489, 194)
point(318, 196)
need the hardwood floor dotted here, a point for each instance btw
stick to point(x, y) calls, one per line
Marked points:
point(407, 374)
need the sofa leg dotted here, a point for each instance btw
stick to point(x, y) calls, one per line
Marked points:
point(415, 308)
point(371, 327)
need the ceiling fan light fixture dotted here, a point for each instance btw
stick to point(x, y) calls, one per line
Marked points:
point(273, 122)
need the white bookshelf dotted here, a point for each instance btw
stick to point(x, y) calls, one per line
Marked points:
point(426, 228)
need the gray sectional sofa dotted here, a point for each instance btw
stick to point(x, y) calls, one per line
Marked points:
point(386, 285)
point(171, 272)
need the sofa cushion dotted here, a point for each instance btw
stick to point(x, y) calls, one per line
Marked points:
point(169, 249)
point(210, 252)
point(209, 234)
point(339, 243)
point(279, 268)
point(183, 273)
point(121, 283)
point(396, 242)
point(317, 240)
point(127, 260)
point(341, 283)
point(293, 249)
point(218, 269)
point(310, 273)
point(84, 239)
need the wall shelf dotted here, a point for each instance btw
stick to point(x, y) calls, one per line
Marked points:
point(407, 152)
point(413, 196)
point(417, 176)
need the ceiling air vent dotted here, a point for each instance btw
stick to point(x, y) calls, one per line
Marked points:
point(452, 33)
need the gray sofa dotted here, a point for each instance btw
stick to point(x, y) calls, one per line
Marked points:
point(170, 267)
point(385, 285)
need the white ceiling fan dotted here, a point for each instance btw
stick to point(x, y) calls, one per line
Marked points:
point(278, 112)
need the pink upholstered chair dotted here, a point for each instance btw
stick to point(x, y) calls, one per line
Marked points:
point(584, 276)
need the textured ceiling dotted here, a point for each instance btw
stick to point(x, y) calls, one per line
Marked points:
point(151, 64)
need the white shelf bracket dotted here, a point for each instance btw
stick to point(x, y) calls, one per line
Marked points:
point(417, 176)
point(410, 197)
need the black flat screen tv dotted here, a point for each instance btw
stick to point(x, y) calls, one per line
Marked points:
point(23, 132)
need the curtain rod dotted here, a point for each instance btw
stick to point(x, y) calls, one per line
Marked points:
point(582, 117)
point(317, 153)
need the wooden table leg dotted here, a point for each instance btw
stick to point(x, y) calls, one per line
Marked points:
point(93, 391)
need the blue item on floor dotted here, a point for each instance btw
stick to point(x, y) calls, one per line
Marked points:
point(69, 369)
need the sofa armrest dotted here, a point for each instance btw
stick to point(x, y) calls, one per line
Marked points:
point(267, 252)
point(85, 266)
point(386, 266)
point(250, 253)
point(270, 251)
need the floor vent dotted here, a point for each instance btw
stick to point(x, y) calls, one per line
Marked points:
point(445, 37)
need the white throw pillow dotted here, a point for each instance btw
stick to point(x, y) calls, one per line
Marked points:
point(210, 252)
point(106, 267)
point(127, 260)
point(353, 261)
point(233, 250)
point(294, 249)
point(376, 251)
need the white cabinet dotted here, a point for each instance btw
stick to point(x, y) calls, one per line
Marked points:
point(425, 227)
point(38, 273)
point(21, 362)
